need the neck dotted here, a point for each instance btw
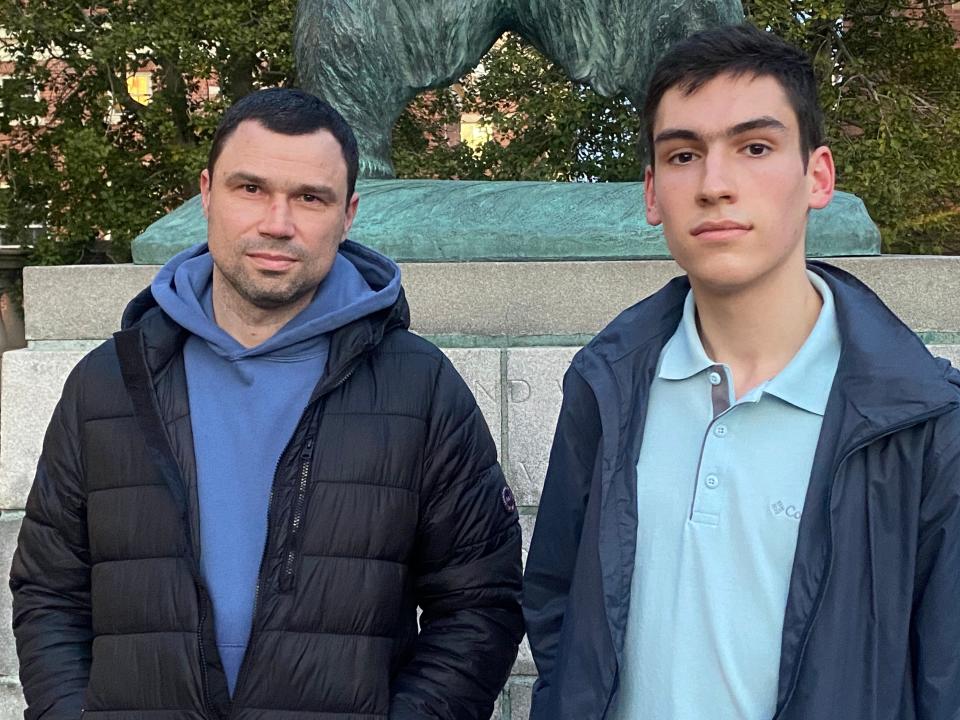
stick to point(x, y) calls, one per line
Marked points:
point(247, 324)
point(756, 331)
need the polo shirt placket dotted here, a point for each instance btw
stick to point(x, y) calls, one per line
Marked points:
point(720, 489)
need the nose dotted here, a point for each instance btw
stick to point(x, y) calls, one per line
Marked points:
point(717, 182)
point(277, 219)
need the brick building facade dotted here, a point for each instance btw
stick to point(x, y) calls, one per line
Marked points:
point(953, 12)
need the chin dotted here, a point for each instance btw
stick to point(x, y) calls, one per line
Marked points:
point(720, 272)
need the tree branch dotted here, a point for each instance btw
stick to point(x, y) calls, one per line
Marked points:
point(174, 89)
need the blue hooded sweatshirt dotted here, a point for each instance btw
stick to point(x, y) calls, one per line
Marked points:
point(245, 404)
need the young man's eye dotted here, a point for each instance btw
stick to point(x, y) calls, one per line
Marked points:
point(757, 149)
point(681, 158)
point(250, 188)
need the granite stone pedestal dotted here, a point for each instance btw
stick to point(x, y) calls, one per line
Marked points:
point(509, 327)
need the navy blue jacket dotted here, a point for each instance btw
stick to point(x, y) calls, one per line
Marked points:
point(872, 624)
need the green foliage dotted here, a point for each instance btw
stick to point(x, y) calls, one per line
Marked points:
point(100, 164)
point(890, 88)
point(420, 139)
point(557, 130)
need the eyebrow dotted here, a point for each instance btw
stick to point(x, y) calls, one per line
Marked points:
point(766, 122)
point(244, 177)
point(324, 192)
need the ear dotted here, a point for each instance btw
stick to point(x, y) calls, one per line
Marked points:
point(823, 175)
point(650, 198)
point(205, 191)
point(350, 214)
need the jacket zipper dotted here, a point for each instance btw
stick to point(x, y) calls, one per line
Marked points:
point(245, 665)
point(288, 572)
point(818, 602)
point(207, 704)
point(286, 577)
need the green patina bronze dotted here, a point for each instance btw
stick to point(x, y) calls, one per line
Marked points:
point(369, 58)
point(456, 220)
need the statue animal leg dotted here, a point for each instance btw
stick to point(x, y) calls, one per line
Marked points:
point(369, 58)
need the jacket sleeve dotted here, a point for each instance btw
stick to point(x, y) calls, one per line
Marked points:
point(50, 576)
point(556, 538)
point(468, 570)
point(935, 631)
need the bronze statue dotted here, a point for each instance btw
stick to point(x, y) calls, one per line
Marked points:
point(369, 58)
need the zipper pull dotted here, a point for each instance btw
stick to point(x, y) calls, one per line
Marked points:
point(307, 449)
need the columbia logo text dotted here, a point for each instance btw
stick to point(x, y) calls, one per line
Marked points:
point(789, 511)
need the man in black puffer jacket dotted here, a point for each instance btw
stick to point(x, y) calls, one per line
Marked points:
point(246, 494)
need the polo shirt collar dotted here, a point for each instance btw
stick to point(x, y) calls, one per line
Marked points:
point(684, 356)
point(806, 380)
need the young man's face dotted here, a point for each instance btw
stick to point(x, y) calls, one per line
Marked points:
point(277, 211)
point(729, 184)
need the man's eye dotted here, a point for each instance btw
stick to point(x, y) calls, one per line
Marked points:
point(757, 149)
point(250, 188)
point(681, 158)
point(308, 198)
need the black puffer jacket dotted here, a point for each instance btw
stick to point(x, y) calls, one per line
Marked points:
point(387, 497)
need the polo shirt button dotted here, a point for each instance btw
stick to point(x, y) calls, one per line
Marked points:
point(720, 430)
point(715, 378)
point(711, 481)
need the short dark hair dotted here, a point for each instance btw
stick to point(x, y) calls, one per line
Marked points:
point(739, 50)
point(289, 111)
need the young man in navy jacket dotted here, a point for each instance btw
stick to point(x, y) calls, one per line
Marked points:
point(752, 508)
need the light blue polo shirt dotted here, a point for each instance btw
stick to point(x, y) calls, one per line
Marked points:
point(721, 485)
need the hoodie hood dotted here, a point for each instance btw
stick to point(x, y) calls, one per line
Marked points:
point(361, 282)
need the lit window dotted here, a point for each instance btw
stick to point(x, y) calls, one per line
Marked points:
point(473, 132)
point(140, 87)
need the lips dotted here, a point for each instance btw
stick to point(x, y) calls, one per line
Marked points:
point(272, 261)
point(720, 230)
